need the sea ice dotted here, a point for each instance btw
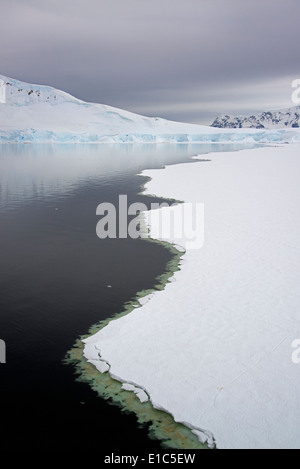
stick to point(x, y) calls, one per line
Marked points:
point(214, 348)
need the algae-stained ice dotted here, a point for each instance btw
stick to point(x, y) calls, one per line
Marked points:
point(215, 348)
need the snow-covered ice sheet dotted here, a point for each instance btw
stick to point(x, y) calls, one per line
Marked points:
point(41, 114)
point(214, 348)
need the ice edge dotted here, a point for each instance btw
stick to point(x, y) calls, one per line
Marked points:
point(204, 437)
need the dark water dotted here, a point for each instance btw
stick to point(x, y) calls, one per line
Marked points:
point(54, 277)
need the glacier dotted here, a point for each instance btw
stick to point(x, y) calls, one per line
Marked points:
point(42, 114)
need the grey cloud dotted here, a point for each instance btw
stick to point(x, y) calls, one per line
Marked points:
point(163, 55)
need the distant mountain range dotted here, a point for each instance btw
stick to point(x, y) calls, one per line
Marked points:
point(286, 118)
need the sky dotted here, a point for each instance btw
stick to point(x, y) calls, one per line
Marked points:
point(185, 60)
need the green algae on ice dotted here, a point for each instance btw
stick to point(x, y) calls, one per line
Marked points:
point(162, 425)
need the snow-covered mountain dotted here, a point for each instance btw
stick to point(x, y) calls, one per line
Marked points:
point(287, 118)
point(41, 114)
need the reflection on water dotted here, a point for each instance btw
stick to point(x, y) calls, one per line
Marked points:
point(54, 277)
point(30, 172)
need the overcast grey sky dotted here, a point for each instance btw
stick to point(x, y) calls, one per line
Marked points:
point(188, 60)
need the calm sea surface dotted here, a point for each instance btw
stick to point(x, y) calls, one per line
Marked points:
point(54, 278)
